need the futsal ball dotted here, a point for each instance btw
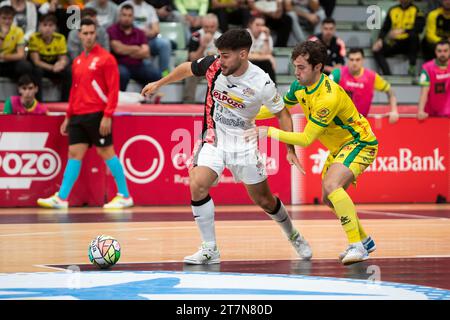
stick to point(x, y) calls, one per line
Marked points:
point(104, 251)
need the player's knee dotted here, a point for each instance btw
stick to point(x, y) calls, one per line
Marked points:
point(198, 190)
point(76, 154)
point(329, 187)
point(105, 153)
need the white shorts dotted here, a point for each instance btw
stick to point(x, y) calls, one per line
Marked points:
point(247, 166)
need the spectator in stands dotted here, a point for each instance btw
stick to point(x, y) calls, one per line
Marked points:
point(231, 11)
point(12, 46)
point(437, 29)
point(335, 45)
point(48, 52)
point(306, 17)
point(200, 45)
point(276, 19)
point(25, 102)
point(165, 9)
point(262, 47)
point(328, 6)
point(130, 47)
point(435, 81)
point(146, 19)
point(192, 11)
point(74, 43)
point(26, 15)
point(399, 34)
point(59, 8)
point(106, 12)
point(360, 83)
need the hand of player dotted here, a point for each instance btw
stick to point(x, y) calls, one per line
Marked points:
point(422, 115)
point(393, 117)
point(150, 89)
point(255, 133)
point(293, 160)
point(105, 126)
point(63, 127)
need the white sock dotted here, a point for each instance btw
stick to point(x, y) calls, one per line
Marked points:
point(281, 216)
point(203, 211)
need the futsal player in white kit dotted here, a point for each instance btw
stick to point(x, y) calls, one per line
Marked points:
point(236, 91)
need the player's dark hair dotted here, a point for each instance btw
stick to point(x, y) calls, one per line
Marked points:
point(443, 42)
point(127, 6)
point(25, 80)
point(234, 39)
point(7, 11)
point(49, 17)
point(329, 20)
point(87, 22)
point(355, 50)
point(88, 12)
point(315, 50)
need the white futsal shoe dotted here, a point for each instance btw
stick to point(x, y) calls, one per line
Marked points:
point(368, 244)
point(53, 202)
point(119, 202)
point(301, 246)
point(205, 255)
point(355, 253)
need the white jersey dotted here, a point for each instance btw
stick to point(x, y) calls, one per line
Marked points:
point(232, 103)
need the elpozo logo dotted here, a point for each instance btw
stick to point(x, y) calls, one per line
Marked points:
point(160, 285)
point(156, 163)
point(24, 159)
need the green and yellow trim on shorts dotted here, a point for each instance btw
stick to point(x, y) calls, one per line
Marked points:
point(356, 155)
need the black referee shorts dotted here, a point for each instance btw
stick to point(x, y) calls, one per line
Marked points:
point(85, 128)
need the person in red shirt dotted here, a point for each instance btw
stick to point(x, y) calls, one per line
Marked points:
point(93, 99)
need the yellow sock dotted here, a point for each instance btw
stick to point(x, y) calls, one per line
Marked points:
point(346, 212)
point(362, 233)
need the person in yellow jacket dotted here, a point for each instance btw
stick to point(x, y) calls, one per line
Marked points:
point(333, 119)
point(399, 34)
point(436, 29)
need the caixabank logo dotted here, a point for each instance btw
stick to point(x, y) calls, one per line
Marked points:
point(167, 285)
point(24, 158)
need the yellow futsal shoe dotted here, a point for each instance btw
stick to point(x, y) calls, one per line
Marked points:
point(54, 202)
point(119, 202)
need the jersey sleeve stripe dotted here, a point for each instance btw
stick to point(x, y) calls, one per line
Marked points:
point(318, 122)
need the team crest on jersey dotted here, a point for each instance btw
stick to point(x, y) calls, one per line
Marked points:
point(277, 98)
point(228, 100)
point(93, 64)
point(248, 92)
point(323, 113)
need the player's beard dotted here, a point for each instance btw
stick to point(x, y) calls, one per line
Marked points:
point(231, 69)
point(443, 61)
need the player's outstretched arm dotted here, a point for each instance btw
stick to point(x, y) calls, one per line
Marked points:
point(285, 121)
point(303, 139)
point(179, 73)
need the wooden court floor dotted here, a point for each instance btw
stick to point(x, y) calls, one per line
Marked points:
point(413, 241)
